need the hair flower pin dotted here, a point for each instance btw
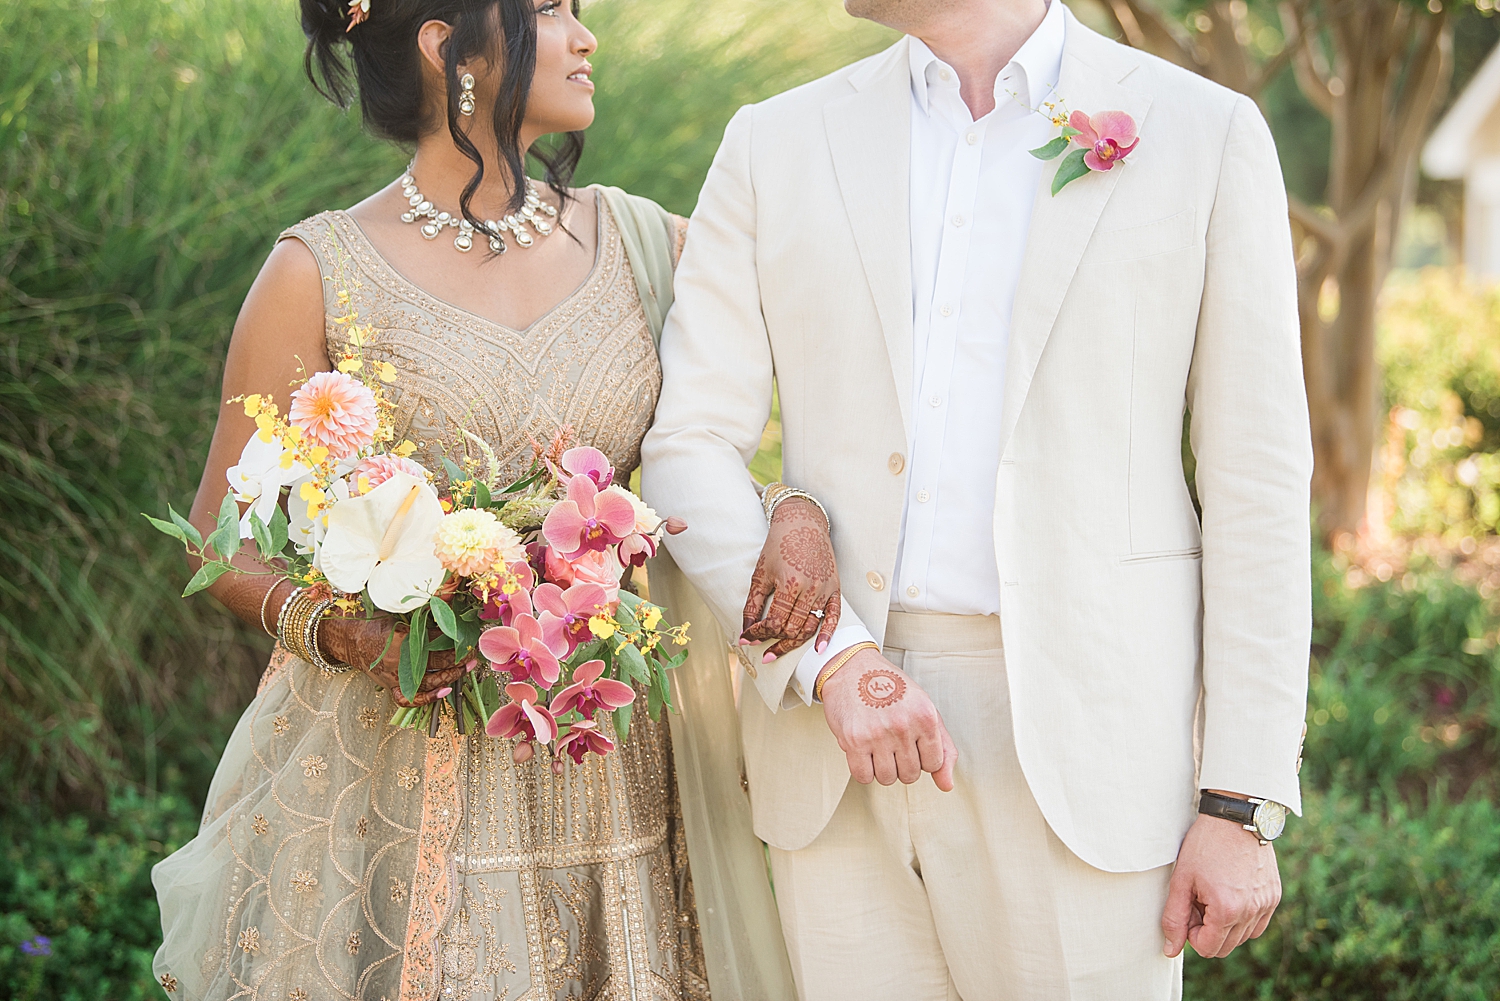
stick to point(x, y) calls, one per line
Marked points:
point(359, 13)
point(1100, 142)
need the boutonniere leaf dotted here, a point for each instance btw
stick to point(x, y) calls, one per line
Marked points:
point(1070, 170)
point(1054, 149)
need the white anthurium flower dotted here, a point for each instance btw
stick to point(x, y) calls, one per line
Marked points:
point(383, 541)
point(264, 468)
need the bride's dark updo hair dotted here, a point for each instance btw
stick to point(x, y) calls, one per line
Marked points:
point(384, 67)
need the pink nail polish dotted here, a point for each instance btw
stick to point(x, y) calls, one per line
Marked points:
point(822, 646)
point(442, 693)
point(744, 642)
point(768, 658)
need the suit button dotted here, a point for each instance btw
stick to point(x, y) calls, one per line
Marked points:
point(896, 463)
point(876, 581)
point(744, 658)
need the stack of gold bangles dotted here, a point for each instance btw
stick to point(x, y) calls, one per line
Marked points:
point(297, 628)
point(776, 493)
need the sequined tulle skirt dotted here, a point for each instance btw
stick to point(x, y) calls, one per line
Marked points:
point(342, 858)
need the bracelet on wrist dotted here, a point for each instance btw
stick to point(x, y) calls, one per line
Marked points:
point(837, 664)
point(777, 493)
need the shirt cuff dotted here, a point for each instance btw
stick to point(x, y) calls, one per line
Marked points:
point(849, 632)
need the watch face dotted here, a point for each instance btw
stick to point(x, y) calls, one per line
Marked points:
point(1270, 820)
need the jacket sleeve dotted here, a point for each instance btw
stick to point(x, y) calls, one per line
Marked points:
point(716, 398)
point(1251, 439)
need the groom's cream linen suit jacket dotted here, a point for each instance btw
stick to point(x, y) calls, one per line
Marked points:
point(1148, 656)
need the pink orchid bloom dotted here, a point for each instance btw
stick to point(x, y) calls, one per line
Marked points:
point(599, 568)
point(573, 608)
point(583, 737)
point(506, 607)
point(1108, 136)
point(590, 692)
point(637, 549)
point(528, 648)
point(588, 462)
point(523, 717)
point(588, 520)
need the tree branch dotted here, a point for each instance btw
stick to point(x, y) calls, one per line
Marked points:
point(1308, 65)
point(1148, 29)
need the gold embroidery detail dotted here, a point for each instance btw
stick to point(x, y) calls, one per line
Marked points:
point(282, 724)
point(303, 881)
point(398, 890)
point(313, 766)
point(297, 994)
point(369, 718)
point(362, 827)
point(168, 983)
point(258, 824)
point(249, 940)
point(353, 944)
point(407, 778)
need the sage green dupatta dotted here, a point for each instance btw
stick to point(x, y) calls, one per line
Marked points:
point(742, 940)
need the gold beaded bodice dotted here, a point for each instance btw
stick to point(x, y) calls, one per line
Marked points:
point(588, 363)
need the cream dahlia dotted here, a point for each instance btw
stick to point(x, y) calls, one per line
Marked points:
point(472, 541)
point(337, 411)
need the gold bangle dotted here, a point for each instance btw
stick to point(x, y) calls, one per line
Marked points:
point(772, 499)
point(293, 627)
point(837, 664)
point(263, 603)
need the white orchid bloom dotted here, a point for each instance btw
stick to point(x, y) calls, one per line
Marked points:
point(383, 541)
point(258, 477)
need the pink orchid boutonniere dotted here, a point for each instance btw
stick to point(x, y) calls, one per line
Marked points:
point(1099, 143)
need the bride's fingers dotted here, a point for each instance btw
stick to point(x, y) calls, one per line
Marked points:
point(830, 622)
point(760, 592)
point(773, 626)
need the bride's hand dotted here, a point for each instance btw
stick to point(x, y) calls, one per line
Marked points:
point(798, 574)
point(360, 642)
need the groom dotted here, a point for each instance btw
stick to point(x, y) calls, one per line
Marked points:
point(984, 382)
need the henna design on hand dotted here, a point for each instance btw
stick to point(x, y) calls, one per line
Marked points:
point(880, 688)
point(806, 550)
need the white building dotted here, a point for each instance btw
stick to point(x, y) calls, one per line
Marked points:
point(1466, 146)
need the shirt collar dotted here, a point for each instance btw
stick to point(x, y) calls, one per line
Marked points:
point(1030, 75)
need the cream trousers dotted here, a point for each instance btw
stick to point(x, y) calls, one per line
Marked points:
point(912, 894)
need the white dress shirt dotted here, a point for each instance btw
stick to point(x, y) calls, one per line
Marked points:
point(972, 186)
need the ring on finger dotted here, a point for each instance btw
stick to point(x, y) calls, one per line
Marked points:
point(816, 613)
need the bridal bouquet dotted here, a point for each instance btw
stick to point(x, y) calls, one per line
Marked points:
point(521, 580)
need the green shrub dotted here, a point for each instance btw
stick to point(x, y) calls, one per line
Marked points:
point(1381, 903)
point(86, 889)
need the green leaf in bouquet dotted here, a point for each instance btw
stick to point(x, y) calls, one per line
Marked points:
point(660, 677)
point(225, 539)
point(441, 643)
point(622, 721)
point(442, 614)
point(456, 475)
point(626, 618)
point(279, 530)
point(630, 658)
point(481, 495)
point(405, 671)
point(261, 532)
point(596, 650)
point(631, 600)
point(653, 701)
point(206, 575)
point(167, 528)
point(188, 528)
point(523, 484)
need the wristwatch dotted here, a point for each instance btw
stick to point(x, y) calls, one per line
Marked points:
point(1264, 818)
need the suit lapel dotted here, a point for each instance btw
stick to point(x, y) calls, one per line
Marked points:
point(1062, 225)
point(869, 135)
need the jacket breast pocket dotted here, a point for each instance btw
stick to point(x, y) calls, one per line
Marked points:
point(1162, 236)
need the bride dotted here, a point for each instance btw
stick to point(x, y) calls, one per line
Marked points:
point(340, 857)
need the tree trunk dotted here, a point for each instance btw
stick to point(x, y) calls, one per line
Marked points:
point(1390, 68)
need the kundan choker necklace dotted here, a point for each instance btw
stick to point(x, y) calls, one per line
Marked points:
point(534, 213)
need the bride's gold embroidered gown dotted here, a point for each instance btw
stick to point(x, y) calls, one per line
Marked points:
point(342, 858)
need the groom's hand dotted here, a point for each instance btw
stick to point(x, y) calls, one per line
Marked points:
point(887, 726)
point(1224, 889)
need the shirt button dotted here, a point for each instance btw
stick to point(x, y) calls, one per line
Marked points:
point(913, 591)
point(896, 463)
point(947, 310)
point(936, 401)
point(875, 581)
point(972, 137)
point(958, 220)
point(923, 496)
point(945, 75)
